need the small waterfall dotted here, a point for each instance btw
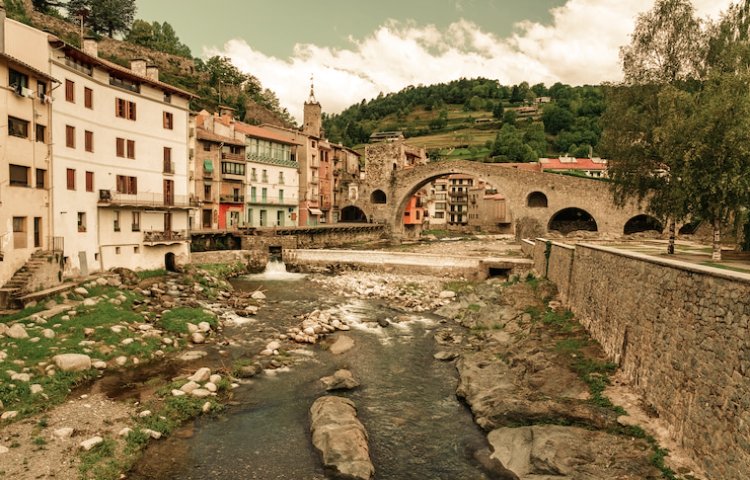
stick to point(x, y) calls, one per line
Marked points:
point(275, 270)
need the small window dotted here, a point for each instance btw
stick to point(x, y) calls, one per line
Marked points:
point(89, 181)
point(167, 97)
point(41, 178)
point(168, 120)
point(167, 154)
point(116, 223)
point(120, 147)
point(88, 97)
point(18, 128)
point(131, 148)
point(41, 133)
point(124, 109)
point(81, 221)
point(19, 176)
point(88, 140)
point(41, 90)
point(17, 80)
point(136, 224)
point(117, 250)
point(71, 179)
point(70, 136)
point(206, 147)
point(70, 94)
point(136, 250)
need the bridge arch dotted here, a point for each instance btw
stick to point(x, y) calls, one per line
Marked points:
point(353, 214)
point(378, 197)
point(642, 223)
point(572, 219)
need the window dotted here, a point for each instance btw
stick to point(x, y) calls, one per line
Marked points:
point(253, 175)
point(19, 176)
point(88, 97)
point(116, 223)
point(136, 250)
point(264, 194)
point(207, 192)
point(17, 80)
point(120, 147)
point(168, 120)
point(127, 185)
point(70, 136)
point(264, 176)
point(167, 154)
point(19, 232)
point(117, 250)
point(41, 133)
point(281, 178)
point(81, 221)
point(18, 127)
point(88, 140)
point(124, 109)
point(71, 178)
point(281, 196)
point(167, 97)
point(253, 193)
point(233, 168)
point(131, 148)
point(125, 84)
point(41, 178)
point(206, 147)
point(70, 93)
point(89, 181)
point(125, 148)
point(41, 90)
point(136, 225)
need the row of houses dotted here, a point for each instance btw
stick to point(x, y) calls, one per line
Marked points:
point(108, 165)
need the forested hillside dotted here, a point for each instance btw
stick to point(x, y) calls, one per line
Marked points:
point(481, 119)
point(215, 81)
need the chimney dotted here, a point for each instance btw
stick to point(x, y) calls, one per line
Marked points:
point(225, 111)
point(91, 46)
point(152, 73)
point(138, 66)
point(2, 26)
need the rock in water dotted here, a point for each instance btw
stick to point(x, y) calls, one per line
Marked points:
point(341, 345)
point(72, 362)
point(341, 438)
point(383, 322)
point(444, 356)
point(341, 380)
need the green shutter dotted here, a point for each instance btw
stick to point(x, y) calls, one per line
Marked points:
point(208, 166)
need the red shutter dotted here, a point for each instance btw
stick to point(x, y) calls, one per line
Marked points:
point(71, 179)
point(131, 148)
point(70, 91)
point(120, 147)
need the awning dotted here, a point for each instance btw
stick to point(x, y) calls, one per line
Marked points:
point(208, 166)
point(315, 211)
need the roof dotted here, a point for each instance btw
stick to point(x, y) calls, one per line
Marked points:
point(263, 133)
point(28, 67)
point(204, 134)
point(117, 69)
point(569, 163)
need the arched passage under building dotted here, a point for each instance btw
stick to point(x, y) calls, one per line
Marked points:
point(378, 197)
point(572, 220)
point(352, 214)
point(170, 262)
point(642, 223)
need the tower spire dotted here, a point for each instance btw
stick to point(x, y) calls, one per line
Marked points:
point(312, 90)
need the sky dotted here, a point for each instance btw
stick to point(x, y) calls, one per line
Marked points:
point(356, 49)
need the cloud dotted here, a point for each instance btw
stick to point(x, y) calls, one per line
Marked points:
point(579, 45)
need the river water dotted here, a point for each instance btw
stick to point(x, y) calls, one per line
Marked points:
point(417, 428)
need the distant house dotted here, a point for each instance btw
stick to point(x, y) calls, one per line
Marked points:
point(543, 100)
point(590, 167)
point(378, 137)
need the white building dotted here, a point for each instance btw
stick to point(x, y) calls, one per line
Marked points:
point(119, 162)
point(272, 195)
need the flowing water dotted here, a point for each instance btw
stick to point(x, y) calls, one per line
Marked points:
point(417, 429)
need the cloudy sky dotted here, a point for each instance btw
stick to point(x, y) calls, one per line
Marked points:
point(358, 48)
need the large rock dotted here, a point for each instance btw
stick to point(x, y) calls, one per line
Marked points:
point(341, 345)
point(72, 362)
point(340, 380)
point(17, 331)
point(341, 438)
point(552, 451)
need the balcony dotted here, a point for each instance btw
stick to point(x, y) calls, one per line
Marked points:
point(154, 238)
point(235, 157)
point(110, 199)
point(168, 167)
point(285, 202)
point(232, 199)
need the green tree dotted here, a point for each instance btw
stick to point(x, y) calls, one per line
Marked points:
point(535, 138)
point(556, 119)
point(104, 16)
point(665, 52)
point(510, 147)
point(497, 110)
point(509, 117)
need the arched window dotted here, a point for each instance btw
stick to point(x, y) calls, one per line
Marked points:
point(536, 200)
point(378, 196)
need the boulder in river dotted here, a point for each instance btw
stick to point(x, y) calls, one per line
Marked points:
point(341, 345)
point(341, 380)
point(341, 438)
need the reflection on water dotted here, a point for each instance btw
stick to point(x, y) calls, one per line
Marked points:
point(416, 427)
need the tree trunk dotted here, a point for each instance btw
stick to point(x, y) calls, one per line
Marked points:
point(716, 254)
point(672, 235)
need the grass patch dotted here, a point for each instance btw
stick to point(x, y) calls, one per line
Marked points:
point(100, 462)
point(176, 320)
point(474, 307)
point(725, 267)
point(222, 270)
point(562, 320)
point(26, 312)
point(440, 234)
point(145, 274)
point(459, 286)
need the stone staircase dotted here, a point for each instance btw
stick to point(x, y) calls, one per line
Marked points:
point(39, 270)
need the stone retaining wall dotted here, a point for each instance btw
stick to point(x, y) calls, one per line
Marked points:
point(679, 333)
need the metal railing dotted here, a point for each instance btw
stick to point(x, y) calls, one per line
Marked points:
point(155, 236)
point(168, 166)
point(232, 199)
point(237, 157)
point(144, 200)
point(274, 201)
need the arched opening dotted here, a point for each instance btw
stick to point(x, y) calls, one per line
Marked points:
point(642, 223)
point(536, 200)
point(352, 214)
point(170, 262)
point(690, 228)
point(572, 220)
point(378, 197)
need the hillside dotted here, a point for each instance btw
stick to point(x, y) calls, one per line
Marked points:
point(479, 119)
point(252, 102)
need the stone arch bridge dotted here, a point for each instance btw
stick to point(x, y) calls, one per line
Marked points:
point(531, 196)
